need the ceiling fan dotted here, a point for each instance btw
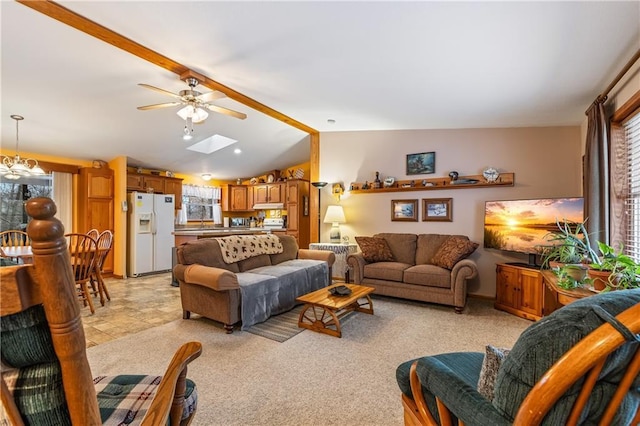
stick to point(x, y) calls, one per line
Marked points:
point(195, 104)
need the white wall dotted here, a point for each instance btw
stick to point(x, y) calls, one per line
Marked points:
point(546, 162)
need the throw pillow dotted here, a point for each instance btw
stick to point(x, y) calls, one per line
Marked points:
point(493, 358)
point(375, 249)
point(453, 250)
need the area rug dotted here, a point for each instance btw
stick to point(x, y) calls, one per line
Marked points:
point(279, 327)
point(311, 379)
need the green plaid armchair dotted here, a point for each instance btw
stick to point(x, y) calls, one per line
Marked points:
point(577, 365)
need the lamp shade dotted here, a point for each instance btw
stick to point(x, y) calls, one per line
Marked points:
point(335, 214)
point(197, 114)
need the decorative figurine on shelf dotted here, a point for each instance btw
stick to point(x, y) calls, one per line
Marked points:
point(377, 183)
point(454, 176)
point(412, 183)
point(490, 174)
point(366, 185)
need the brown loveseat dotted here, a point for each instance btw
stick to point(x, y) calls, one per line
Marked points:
point(251, 289)
point(425, 267)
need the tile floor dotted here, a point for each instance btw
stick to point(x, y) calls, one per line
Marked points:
point(136, 304)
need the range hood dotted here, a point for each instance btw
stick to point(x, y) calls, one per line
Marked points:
point(268, 206)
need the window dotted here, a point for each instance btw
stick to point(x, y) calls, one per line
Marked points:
point(201, 203)
point(632, 196)
point(13, 195)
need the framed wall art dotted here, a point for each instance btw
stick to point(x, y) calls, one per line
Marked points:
point(421, 164)
point(404, 210)
point(437, 209)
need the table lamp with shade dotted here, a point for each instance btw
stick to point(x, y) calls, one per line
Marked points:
point(335, 216)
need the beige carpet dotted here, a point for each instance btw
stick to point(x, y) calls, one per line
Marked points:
point(311, 379)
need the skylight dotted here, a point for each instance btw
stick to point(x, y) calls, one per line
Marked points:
point(212, 144)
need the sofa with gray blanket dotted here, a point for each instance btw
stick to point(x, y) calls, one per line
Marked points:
point(247, 278)
point(426, 267)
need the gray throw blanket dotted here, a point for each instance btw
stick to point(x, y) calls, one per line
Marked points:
point(271, 290)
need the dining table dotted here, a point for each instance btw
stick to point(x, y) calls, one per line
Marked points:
point(23, 253)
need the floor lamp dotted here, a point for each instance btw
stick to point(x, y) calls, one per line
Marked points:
point(319, 185)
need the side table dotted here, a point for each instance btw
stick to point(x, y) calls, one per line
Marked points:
point(341, 251)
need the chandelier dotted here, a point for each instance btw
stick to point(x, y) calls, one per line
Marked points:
point(16, 167)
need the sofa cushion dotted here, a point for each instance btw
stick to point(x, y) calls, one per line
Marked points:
point(254, 262)
point(206, 252)
point(125, 399)
point(427, 247)
point(428, 275)
point(290, 250)
point(403, 246)
point(375, 249)
point(390, 271)
point(453, 250)
point(491, 363)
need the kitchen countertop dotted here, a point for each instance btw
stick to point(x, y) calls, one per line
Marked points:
point(214, 232)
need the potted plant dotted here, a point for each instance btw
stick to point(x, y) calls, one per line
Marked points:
point(613, 270)
point(568, 245)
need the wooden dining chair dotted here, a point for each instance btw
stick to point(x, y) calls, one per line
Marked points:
point(46, 377)
point(104, 243)
point(93, 233)
point(84, 253)
point(14, 238)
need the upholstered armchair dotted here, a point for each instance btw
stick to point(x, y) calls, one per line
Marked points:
point(578, 365)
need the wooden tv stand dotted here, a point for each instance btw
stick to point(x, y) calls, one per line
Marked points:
point(530, 293)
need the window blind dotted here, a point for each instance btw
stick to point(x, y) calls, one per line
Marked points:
point(632, 200)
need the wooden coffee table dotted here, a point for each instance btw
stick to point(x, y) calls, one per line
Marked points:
point(322, 310)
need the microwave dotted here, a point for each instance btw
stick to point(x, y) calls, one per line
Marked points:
point(239, 222)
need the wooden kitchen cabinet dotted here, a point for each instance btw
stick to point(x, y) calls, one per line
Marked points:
point(297, 206)
point(135, 182)
point(174, 186)
point(96, 204)
point(154, 184)
point(519, 291)
point(235, 198)
point(157, 185)
point(268, 193)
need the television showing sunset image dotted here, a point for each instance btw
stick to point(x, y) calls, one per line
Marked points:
point(520, 225)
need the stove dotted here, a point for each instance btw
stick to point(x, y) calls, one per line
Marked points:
point(273, 223)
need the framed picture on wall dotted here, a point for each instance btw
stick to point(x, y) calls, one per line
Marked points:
point(437, 210)
point(421, 164)
point(404, 210)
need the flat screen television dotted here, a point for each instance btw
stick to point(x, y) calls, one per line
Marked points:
point(520, 225)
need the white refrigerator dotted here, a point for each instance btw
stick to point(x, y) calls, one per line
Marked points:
point(150, 225)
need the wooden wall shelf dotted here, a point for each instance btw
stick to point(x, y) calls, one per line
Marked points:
point(505, 179)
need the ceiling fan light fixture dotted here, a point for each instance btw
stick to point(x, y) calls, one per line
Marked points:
point(196, 114)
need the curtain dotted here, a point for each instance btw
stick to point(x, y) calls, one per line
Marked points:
point(217, 207)
point(596, 174)
point(62, 195)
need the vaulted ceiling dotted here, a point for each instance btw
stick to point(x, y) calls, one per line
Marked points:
point(366, 65)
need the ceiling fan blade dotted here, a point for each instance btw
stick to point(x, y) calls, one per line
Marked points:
point(211, 96)
point(156, 106)
point(226, 111)
point(157, 89)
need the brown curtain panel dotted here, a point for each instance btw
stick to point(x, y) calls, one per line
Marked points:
point(596, 174)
